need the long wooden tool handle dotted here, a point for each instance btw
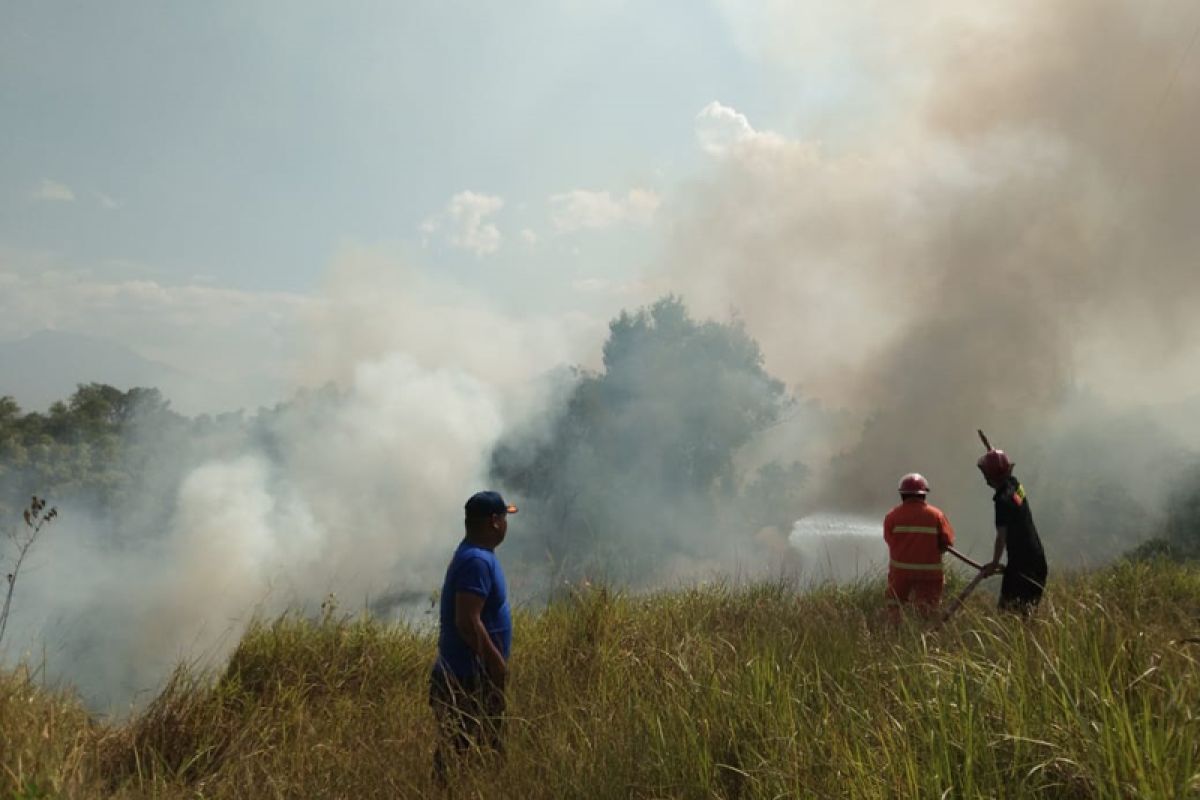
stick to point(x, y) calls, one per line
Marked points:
point(964, 558)
point(962, 597)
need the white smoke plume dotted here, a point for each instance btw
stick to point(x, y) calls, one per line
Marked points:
point(355, 491)
point(1006, 239)
point(1013, 235)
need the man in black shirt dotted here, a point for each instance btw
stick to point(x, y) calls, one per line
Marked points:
point(1025, 575)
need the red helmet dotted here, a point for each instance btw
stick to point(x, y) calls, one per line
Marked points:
point(914, 483)
point(995, 465)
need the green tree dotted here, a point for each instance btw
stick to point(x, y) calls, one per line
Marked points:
point(88, 447)
point(642, 455)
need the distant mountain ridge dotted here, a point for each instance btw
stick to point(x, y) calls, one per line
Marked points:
point(48, 365)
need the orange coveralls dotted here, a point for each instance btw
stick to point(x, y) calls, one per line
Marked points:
point(916, 533)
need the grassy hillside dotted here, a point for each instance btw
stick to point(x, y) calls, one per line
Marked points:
point(711, 692)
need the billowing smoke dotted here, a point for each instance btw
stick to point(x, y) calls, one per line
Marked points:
point(1006, 236)
point(1012, 240)
point(355, 490)
point(636, 479)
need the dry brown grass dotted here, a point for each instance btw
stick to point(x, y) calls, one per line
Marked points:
point(715, 692)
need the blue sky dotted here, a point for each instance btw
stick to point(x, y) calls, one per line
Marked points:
point(161, 164)
point(196, 181)
point(245, 143)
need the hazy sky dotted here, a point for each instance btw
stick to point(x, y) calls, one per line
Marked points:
point(182, 177)
point(191, 179)
point(933, 215)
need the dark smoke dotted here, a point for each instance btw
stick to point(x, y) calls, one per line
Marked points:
point(635, 479)
point(1020, 234)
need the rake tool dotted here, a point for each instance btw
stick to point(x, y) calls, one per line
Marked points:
point(958, 601)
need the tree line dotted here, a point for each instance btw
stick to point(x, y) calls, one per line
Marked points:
point(640, 461)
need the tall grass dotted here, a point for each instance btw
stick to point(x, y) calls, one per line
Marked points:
point(723, 691)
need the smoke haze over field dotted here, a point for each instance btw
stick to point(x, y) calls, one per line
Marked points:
point(1019, 225)
point(354, 492)
point(977, 217)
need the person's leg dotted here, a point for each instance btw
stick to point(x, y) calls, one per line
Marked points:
point(1020, 591)
point(899, 593)
point(892, 597)
point(928, 595)
point(455, 708)
point(492, 707)
point(441, 703)
point(1035, 585)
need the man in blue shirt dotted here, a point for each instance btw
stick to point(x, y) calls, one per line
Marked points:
point(466, 687)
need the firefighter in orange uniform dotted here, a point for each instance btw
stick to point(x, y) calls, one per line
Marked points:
point(917, 534)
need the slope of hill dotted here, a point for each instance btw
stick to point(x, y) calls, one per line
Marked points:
point(48, 365)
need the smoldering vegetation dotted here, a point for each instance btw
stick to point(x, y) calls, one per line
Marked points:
point(1012, 244)
point(635, 476)
point(175, 531)
point(681, 459)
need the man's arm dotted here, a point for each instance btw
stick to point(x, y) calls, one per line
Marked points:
point(468, 609)
point(945, 534)
point(997, 550)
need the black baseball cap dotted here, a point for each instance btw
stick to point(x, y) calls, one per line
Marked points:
point(484, 504)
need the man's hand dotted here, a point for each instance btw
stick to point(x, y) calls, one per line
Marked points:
point(495, 667)
point(468, 609)
point(992, 568)
point(498, 674)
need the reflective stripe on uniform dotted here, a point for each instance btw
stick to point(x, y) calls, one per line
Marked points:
point(914, 529)
point(903, 565)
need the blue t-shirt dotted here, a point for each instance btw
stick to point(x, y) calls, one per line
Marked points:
point(473, 569)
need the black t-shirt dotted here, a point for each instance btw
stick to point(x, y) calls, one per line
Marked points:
point(1013, 514)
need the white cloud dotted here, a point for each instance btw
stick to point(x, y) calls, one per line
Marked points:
point(529, 237)
point(726, 134)
point(581, 209)
point(463, 222)
point(641, 204)
point(722, 130)
point(105, 201)
point(53, 191)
